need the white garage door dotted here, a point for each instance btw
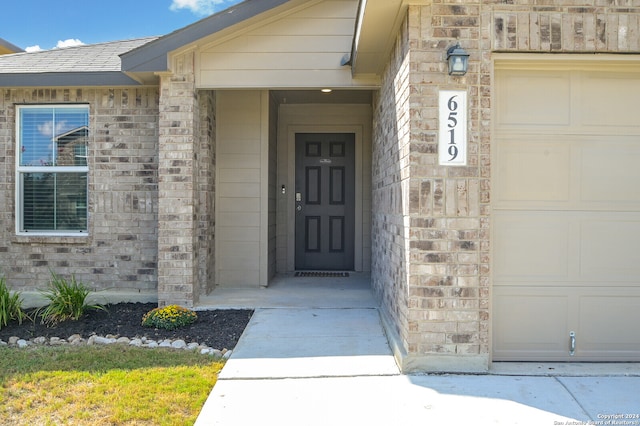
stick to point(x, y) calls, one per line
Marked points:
point(566, 210)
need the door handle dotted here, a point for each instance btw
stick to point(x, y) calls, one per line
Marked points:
point(299, 201)
point(572, 343)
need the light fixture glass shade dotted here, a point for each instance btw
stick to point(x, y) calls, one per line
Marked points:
point(458, 59)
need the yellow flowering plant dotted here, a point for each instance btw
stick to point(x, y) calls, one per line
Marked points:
point(170, 317)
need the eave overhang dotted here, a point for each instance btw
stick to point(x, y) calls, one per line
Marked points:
point(375, 33)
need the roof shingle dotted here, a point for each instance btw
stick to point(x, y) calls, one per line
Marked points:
point(86, 58)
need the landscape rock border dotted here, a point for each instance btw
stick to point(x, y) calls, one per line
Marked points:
point(110, 339)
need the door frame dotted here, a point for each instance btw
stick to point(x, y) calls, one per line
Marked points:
point(324, 258)
point(291, 131)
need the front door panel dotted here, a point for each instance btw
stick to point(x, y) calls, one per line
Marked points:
point(325, 201)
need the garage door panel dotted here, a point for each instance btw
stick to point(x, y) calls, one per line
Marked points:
point(548, 107)
point(566, 212)
point(604, 331)
point(609, 249)
point(570, 248)
point(610, 101)
point(519, 169)
point(530, 324)
point(531, 246)
point(609, 173)
point(533, 323)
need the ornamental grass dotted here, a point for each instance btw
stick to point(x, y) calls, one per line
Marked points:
point(67, 300)
point(10, 305)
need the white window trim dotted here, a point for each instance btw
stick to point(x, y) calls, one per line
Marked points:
point(20, 170)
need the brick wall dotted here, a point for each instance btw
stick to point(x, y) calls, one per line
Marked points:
point(120, 252)
point(432, 222)
point(448, 300)
point(178, 186)
point(572, 26)
point(390, 173)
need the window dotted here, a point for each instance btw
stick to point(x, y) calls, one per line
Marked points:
point(52, 169)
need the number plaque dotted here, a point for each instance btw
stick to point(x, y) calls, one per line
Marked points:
point(452, 137)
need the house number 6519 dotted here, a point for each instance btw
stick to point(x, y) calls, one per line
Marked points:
point(452, 144)
point(453, 111)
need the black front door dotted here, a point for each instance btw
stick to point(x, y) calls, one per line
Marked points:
point(325, 201)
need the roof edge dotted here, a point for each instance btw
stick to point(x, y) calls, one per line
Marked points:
point(9, 47)
point(152, 57)
point(70, 79)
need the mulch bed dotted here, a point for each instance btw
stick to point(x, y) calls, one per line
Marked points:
point(218, 329)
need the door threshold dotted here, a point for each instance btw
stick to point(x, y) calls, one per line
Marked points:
point(321, 274)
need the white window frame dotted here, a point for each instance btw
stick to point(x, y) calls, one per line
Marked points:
point(21, 170)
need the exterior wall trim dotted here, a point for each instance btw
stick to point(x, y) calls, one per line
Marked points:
point(561, 61)
point(264, 188)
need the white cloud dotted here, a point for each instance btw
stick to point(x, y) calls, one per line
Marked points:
point(47, 128)
point(70, 42)
point(202, 7)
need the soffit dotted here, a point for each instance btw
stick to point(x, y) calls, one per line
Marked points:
point(317, 97)
point(376, 30)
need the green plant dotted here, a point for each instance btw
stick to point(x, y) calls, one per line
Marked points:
point(67, 300)
point(10, 305)
point(170, 317)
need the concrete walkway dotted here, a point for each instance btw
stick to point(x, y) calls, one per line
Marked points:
point(297, 365)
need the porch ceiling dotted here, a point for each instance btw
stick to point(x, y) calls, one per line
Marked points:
point(318, 97)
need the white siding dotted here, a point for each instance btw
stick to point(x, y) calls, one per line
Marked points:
point(241, 193)
point(302, 49)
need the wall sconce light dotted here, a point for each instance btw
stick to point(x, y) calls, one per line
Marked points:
point(458, 59)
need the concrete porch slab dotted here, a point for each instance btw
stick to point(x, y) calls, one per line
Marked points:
point(288, 291)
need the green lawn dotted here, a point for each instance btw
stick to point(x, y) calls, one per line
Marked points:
point(104, 385)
